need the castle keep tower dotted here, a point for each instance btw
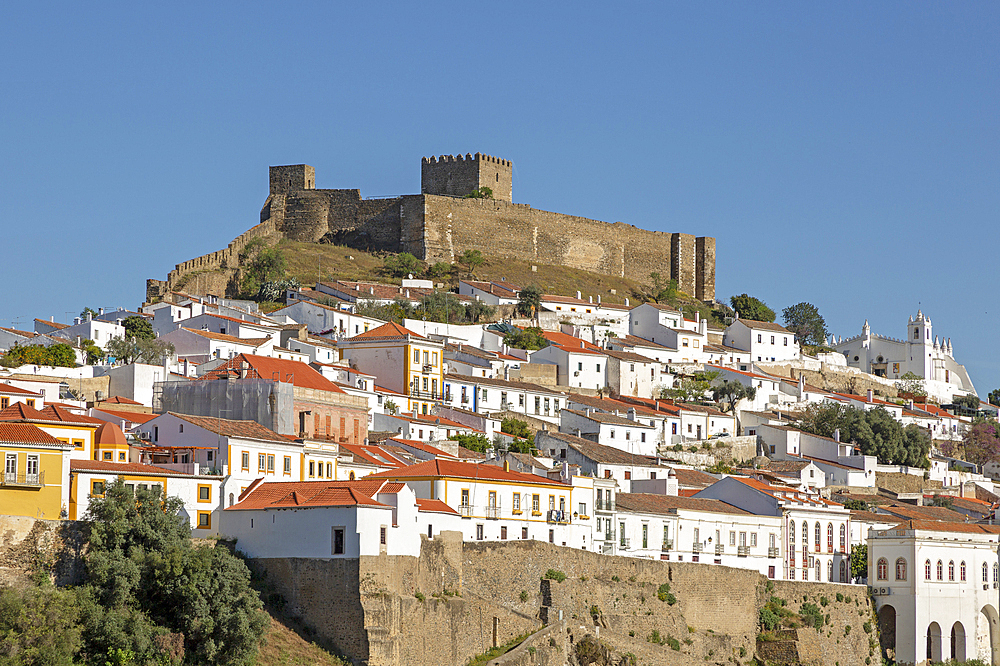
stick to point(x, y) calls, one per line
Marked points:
point(457, 176)
point(285, 179)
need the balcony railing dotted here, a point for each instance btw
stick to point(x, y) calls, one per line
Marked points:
point(719, 549)
point(696, 547)
point(36, 480)
point(609, 536)
point(605, 505)
point(426, 395)
point(557, 516)
point(743, 551)
point(772, 551)
point(492, 512)
point(668, 544)
point(465, 510)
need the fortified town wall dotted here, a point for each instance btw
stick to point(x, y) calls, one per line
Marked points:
point(457, 600)
point(440, 223)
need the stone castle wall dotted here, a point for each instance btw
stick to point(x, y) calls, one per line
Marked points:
point(465, 586)
point(438, 225)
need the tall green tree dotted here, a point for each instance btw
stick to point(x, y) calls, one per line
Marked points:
point(471, 259)
point(138, 327)
point(662, 289)
point(135, 350)
point(59, 355)
point(39, 626)
point(875, 432)
point(995, 397)
point(805, 321)
point(728, 395)
point(750, 307)
point(529, 300)
point(529, 338)
point(402, 264)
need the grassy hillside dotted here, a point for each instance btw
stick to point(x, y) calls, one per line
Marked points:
point(286, 646)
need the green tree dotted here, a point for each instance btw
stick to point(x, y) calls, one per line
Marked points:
point(857, 505)
point(93, 353)
point(260, 263)
point(728, 395)
point(39, 626)
point(749, 307)
point(129, 350)
point(396, 311)
point(477, 443)
point(138, 327)
point(391, 407)
point(805, 321)
point(663, 290)
point(62, 355)
point(875, 432)
point(88, 311)
point(515, 427)
point(529, 338)
point(483, 192)
point(59, 355)
point(910, 383)
point(995, 397)
point(477, 311)
point(967, 402)
point(471, 259)
point(402, 264)
point(529, 300)
point(859, 561)
point(144, 579)
point(980, 444)
point(441, 270)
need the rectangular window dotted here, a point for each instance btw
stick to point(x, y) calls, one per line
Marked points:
point(628, 476)
point(204, 493)
point(329, 470)
point(288, 465)
point(121, 456)
point(204, 520)
point(772, 339)
point(338, 540)
point(645, 535)
point(732, 538)
point(465, 497)
point(552, 502)
point(4, 403)
point(382, 535)
point(753, 539)
point(10, 465)
point(31, 402)
point(552, 536)
point(245, 460)
point(416, 356)
point(270, 463)
point(79, 443)
point(434, 359)
point(492, 499)
point(535, 503)
point(97, 488)
point(108, 455)
point(312, 468)
point(261, 462)
point(583, 508)
point(516, 503)
point(503, 533)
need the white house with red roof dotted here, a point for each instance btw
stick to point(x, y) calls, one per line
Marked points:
point(579, 364)
point(486, 395)
point(10, 394)
point(422, 427)
point(815, 531)
point(327, 321)
point(491, 293)
point(765, 341)
point(200, 345)
point(666, 326)
point(330, 519)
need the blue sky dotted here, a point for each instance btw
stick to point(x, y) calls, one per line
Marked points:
point(844, 154)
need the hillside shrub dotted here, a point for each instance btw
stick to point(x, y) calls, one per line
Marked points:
point(554, 574)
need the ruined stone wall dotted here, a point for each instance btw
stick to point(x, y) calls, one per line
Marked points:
point(29, 545)
point(465, 586)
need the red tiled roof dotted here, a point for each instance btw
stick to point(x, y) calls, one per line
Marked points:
point(132, 417)
point(763, 325)
point(222, 337)
point(464, 470)
point(281, 369)
point(387, 331)
point(110, 434)
point(19, 411)
point(14, 390)
point(108, 467)
point(283, 494)
point(231, 428)
point(120, 400)
point(935, 526)
point(434, 506)
point(663, 504)
point(56, 413)
point(417, 444)
point(373, 455)
point(27, 434)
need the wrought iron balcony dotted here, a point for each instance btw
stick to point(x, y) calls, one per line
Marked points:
point(36, 480)
point(743, 551)
point(719, 549)
point(668, 544)
point(465, 510)
point(605, 505)
point(492, 512)
point(557, 516)
point(772, 551)
point(696, 547)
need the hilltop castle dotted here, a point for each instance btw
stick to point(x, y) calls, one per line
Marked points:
point(440, 223)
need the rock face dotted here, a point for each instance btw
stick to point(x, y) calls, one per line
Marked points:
point(456, 599)
point(28, 545)
point(439, 224)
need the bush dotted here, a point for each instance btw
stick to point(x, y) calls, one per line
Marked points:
point(39, 626)
point(663, 591)
point(840, 597)
point(420, 596)
point(553, 574)
point(655, 637)
point(589, 650)
point(823, 601)
point(811, 616)
point(524, 596)
point(867, 626)
point(769, 620)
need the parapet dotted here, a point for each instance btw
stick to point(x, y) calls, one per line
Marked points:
point(292, 177)
point(459, 175)
point(468, 156)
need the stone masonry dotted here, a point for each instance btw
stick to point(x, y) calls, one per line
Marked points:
point(439, 224)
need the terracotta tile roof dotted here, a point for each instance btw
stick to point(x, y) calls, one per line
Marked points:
point(470, 454)
point(561, 339)
point(635, 341)
point(19, 411)
point(925, 513)
point(604, 417)
point(786, 466)
point(132, 417)
point(50, 414)
point(387, 331)
point(693, 478)
point(417, 444)
point(600, 453)
point(299, 374)
point(57, 413)
point(667, 504)
point(108, 467)
point(501, 289)
point(23, 334)
point(231, 428)
point(434, 506)
point(935, 526)
point(284, 494)
point(764, 325)
point(502, 383)
point(110, 435)
point(7, 389)
point(53, 324)
point(870, 517)
point(628, 356)
point(27, 434)
point(463, 470)
point(120, 400)
point(373, 455)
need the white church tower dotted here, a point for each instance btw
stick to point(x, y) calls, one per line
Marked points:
point(919, 345)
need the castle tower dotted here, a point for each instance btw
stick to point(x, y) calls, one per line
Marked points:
point(292, 177)
point(457, 176)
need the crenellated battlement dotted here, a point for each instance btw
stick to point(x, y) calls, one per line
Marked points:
point(478, 157)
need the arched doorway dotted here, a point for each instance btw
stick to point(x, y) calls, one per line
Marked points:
point(934, 641)
point(887, 630)
point(988, 636)
point(958, 642)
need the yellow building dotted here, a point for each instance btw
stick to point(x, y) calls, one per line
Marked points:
point(64, 425)
point(403, 361)
point(36, 472)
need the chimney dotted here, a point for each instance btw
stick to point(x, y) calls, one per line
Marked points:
point(90, 316)
point(52, 318)
point(871, 395)
point(626, 302)
point(836, 434)
point(590, 298)
point(579, 295)
point(582, 345)
point(598, 299)
point(506, 465)
point(100, 311)
point(244, 369)
point(630, 414)
point(909, 404)
point(371, 290)
point(697, 317)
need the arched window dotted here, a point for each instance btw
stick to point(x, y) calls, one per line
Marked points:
point(817, 536)
point(961, 571)
point(843, 571)
point(230, 499)
point(927, 569)
point(829, 538)
point(995, 573)
point(819, 568)
point(791, 534)
point(352, 476)
point(951, 570)
point(843, 538)
point(986, 573)
point(900, 569)
point(940, 570)
point(882, 569)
